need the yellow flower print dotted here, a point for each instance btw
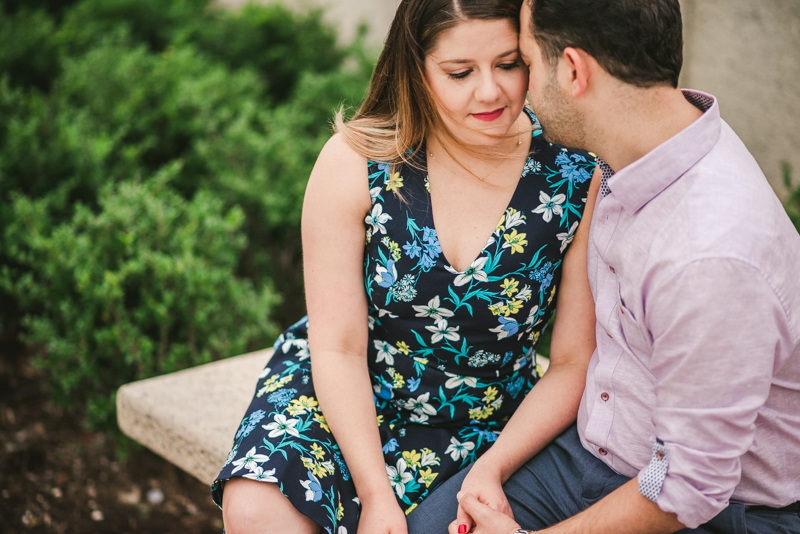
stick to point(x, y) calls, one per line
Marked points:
point(399, 381)
point(411, 508)
point(304, 405)
point(427, 184)
point(317, 451)
point(380, 420)
point(394, 248)
point(423, 361)
point(394, 182)
point(514, 306)
point(320, 470)
point(552, 294)
point(403, 347)
point(319, 418)
point(500, 225)
point(426, 476)
point(496, 309)
point(535, 337)
point(412, 458)
point(340, 512)
point(491, 394)
point(516, 242)
point(294, 409)
point(274, 382)
point(509, 286)
point(539, 371)
point(483, 412)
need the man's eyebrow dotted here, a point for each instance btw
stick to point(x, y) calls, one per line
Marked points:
point(461, 61)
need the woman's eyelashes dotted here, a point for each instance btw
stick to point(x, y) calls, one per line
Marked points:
point(463, 74)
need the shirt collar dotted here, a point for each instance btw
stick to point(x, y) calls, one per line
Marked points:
point(642, 180)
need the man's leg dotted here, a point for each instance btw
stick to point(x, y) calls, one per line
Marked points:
point(557, 483)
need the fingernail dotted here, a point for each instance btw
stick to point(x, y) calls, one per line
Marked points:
point(462, 529)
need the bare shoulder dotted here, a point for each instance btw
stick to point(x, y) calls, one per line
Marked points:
point(340, 176)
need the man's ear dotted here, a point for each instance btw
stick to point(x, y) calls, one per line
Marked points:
point(579, 66)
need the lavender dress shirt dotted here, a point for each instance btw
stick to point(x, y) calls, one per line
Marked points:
point(695, 384)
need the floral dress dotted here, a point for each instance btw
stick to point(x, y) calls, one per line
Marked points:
point(451, 354)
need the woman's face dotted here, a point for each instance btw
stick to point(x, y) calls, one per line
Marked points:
point(478, 79)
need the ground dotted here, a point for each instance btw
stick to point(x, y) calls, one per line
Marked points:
point(56, 477)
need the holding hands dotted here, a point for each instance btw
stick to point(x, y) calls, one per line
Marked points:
point(482, 504)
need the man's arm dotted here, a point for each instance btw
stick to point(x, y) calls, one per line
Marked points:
point(625, 511)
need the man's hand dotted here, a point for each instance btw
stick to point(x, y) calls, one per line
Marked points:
point(485, 519)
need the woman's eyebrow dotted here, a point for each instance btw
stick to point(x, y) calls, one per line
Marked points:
point(461, 61)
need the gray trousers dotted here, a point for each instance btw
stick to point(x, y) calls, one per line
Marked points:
point(565, 479)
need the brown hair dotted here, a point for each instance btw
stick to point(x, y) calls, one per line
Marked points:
point(399, 110)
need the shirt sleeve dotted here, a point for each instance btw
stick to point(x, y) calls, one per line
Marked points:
point(718, 332)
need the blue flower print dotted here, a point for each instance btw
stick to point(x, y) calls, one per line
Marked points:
point(390, 446)
point(313, 488)
point(282, 397)
point(386, 276)
point(514, 387)
point(562, 158)
point(507, 358)
point(413, 384)
point(508, 327)
point(249, 423)
point(342, 466)
point(570, 169)
point(412, 249)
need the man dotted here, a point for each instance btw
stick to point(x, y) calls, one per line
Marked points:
point(690, 420)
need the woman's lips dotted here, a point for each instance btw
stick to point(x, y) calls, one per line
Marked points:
point(490, 116)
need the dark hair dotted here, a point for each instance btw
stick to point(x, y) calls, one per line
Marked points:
point(399, 110)
point(637, 41)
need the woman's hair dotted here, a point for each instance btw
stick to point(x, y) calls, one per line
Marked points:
point(399, 110)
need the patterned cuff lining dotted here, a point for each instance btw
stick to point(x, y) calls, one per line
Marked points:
point(653, 477)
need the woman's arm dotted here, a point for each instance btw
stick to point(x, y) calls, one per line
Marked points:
point(553, 402)
point(336, 201)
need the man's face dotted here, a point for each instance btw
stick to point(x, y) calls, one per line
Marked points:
point(561, 122)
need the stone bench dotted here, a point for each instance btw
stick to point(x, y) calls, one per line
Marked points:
point(190, 417)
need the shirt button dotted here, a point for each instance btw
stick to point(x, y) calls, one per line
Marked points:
point(602, 451)
point(660, 455)
point(610, 268)
point(604, 396)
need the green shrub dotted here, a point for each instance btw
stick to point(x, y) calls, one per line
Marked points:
point(144, 286)
point(152, 182)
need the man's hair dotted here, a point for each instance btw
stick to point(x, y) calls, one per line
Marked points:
point(637, 41)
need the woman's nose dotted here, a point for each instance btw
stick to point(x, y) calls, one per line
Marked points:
point(488, 89)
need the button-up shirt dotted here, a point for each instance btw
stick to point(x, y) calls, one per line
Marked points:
point(695, 270)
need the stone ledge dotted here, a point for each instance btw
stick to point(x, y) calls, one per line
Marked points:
point(190, 417)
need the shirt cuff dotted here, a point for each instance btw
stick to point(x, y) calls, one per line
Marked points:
point(674, 492)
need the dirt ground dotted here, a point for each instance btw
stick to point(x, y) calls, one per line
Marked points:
point(55, 477)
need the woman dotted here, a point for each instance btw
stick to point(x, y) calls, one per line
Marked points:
point(416, 318)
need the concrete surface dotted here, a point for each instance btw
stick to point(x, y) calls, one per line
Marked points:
point(190, 417)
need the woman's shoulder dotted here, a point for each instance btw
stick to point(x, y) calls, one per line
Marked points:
point(340, 174)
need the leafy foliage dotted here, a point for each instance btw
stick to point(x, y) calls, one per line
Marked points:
point(153, 158)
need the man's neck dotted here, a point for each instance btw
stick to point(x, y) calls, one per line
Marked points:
point(635, 121)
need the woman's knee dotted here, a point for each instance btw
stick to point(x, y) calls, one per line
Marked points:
point(250, 507)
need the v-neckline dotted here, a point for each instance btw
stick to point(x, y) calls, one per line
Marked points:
point(489, 240)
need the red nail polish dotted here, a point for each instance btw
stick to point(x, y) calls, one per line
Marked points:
point(462, 529)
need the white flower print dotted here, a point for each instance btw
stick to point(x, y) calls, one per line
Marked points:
point(262, 476)
point(250, 461)
point(567, 237)
point(428, 458)
point(433, 310)
point(419, 419)
point(420, 405)
point(376, 218)
point(456, 380)
point(456, 449)
point(525, 294)
point(373, 193)
point(386, 352)
point(442, 331)
point(231, 455)
point(281, 426)
point(398, 477)
point(473, 271)
point(514, 218)
point(549, 206)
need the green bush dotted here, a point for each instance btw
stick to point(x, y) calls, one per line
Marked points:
point(153, 161)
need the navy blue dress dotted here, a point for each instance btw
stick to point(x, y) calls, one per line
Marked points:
point(451, 354)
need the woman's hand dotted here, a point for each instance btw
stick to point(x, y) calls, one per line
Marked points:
point(382, 516)
point(484, 482)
